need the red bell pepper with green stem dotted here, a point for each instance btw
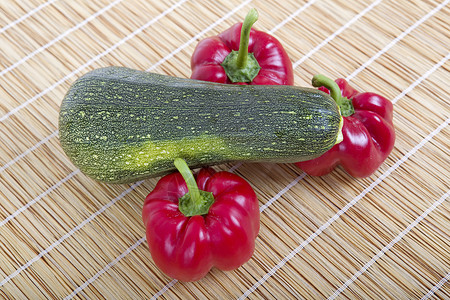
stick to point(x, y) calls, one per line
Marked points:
point(368, 131)
point(242, 55)
point(194, 224)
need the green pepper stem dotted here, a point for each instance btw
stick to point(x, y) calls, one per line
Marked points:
point(195, 202)
point(345, 105)
point(188, 177)
point(249, 20)
point(320, 80)
point(241, 66)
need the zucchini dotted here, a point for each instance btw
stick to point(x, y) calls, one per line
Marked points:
point(121, 125)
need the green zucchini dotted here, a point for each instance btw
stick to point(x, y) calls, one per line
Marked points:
point(120, 125)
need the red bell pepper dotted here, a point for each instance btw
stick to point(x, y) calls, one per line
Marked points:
point(194, 224)
point(242, 55)
point(368, 131)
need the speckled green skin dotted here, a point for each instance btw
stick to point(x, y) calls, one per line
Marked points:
point(120, 125)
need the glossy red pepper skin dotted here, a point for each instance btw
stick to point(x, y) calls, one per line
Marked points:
point(368, 133)
point(276, 67)
point(186, 248)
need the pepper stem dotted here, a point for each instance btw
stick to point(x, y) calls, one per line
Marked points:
point(241, 66)
point(345, 104)
point(195, 201)
point(249, 20)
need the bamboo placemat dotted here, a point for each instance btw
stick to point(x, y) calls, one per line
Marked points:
point(382, 237)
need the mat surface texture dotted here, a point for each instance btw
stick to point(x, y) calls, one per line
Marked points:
point(64, 235)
